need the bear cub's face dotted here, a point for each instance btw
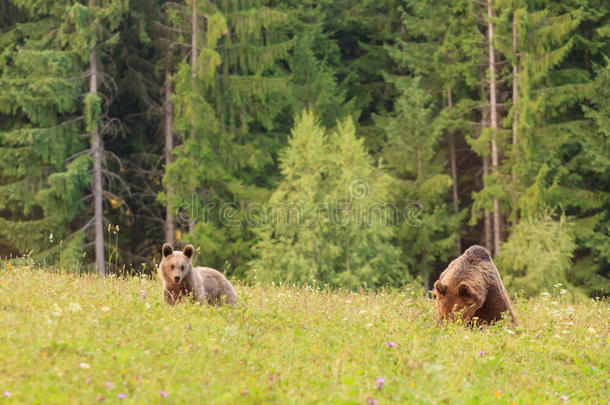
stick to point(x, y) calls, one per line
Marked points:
point(459, 298)
point(175, 265)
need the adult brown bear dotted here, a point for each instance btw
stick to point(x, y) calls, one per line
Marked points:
point(471, 285)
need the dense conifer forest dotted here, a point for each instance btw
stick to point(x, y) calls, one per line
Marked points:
point(352, 143)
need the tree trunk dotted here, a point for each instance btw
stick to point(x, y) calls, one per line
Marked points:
point(194, 53)
point(486, 216)
point(194, 56)
point(515, 97)
point(454, 177)
point(493, 112)
point(97, 150)
point(169, 147)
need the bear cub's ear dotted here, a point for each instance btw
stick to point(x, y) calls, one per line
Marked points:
point(464, 290)
point(440, 287)
point(167, 249)
point(188, 251)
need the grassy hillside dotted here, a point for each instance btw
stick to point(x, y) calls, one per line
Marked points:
point(71, 339)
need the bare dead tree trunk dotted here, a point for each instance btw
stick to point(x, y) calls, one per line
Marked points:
point(515, 96)
point(487, 231)
point(97, 150)
point(494, 122)
point(169, 148)
point(194, 56)
point(515, 139)
point(454, 176)
point(194, 51)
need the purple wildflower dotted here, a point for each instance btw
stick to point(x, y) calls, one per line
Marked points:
point(564, 398)
point(7, 394)
point(163, 393)
point(380, 382)
point(481, 353)
point(371, 401)
point(143, 295)
point(121, 396)
point(109, 384)
point(390, 344)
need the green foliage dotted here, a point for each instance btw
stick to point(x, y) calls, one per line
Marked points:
point(42, 176)
point(313, 65)
point(553, 160)
point(96, 22)
point(93, 111)
point(537, 255)
point(329, 220)
point(411, 74)
point(429, 231)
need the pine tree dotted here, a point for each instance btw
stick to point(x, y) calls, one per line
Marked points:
point(86, 29)
point(314, 63)
point(238, 95)
point(550, 176)
point(538, 254)
point(43, 170)
point(440, 43)
point(412, 153)
point(362, 30)
point(144, 61)
point(325, 223)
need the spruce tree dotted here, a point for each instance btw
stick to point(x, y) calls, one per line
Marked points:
point(552, 178)
point(328, 221)
point(43, 170)
point(227, 117)
point(87, 30)
point(429, 231)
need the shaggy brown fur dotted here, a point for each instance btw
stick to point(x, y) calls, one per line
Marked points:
point(180, 279)
point(472, 285)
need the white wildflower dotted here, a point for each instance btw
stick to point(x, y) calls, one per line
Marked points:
point(56, 310)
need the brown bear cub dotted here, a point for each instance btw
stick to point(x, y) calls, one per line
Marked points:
point(180, 278)
point(472, 285)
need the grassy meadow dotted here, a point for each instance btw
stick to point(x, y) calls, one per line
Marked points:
point(82, 339)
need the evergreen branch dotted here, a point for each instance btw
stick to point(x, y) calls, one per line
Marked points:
point(76, 155)
point(113, 176)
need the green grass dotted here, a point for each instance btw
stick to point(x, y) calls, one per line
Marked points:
point(64, 337)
